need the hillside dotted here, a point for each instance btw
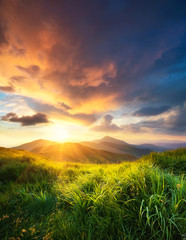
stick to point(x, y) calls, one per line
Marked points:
point(34, 144)
point(9, 154)
point(101, 150)
point(110, 140)
point(118, 146)
point(74, 152)
point(139, 200)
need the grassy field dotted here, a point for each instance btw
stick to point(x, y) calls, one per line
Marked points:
point(41, 199)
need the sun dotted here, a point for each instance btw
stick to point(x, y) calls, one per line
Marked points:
point(58, 132)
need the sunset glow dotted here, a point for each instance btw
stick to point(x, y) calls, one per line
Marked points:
point(92, 68)
point(57, 133)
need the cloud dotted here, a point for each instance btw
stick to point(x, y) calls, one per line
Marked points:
point(26, 120)
point(174, 124)
point(107, 125)
point(8, 116)
point(68, 45)
point(95, 56)
point(64, 106)
point(17, 51)
point(151, 111)
point(32, 70)
point(7, 89)
point(57, 112)
point(177, 121)
point(84, 118)
point(95, 76)
point(17, 78)
point(3, 39)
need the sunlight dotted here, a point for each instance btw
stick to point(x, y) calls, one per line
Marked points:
point(58, 132)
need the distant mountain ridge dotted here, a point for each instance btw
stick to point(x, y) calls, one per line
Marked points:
point(117, 146)
point(172, 145)
point(74, 152)
point(104, 150)
point(153, 147)
point(34, 144)
point(110, 140)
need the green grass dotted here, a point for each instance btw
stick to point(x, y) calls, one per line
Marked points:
point(40, 199)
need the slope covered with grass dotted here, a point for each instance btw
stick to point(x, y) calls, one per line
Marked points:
point(139, 200)
point(74, 152)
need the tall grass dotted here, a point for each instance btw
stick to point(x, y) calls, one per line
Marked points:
point(173, 160)
point(141, 200)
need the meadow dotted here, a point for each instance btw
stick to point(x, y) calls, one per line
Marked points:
point(44, 199)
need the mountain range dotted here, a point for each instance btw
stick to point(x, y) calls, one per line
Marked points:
point(117, 146)
point(74, 152)
point(105, 150)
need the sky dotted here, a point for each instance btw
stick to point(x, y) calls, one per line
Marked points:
point(80, 70)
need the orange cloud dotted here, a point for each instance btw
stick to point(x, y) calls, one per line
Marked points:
point(43, 60)
point(95, 76)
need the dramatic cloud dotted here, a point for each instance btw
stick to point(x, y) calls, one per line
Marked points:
point(151, 111)
point(78, 60)
point(26, 120)
point(91, 47)
point(177, 121)
point(173, 124)
point(61, 113)
point(106, 125)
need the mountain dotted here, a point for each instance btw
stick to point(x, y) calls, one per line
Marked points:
point(118, 146)
point(102, 146)
point(105, 150)
point(172, 145)
point(34, 144)
point(153, 147)
point(74, 152)
point(110, 140)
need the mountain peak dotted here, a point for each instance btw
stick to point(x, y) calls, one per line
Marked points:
point(111, 140)
point(31, 145)
point(107, 137)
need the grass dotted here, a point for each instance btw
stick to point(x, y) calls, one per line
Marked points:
point(40, 199)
